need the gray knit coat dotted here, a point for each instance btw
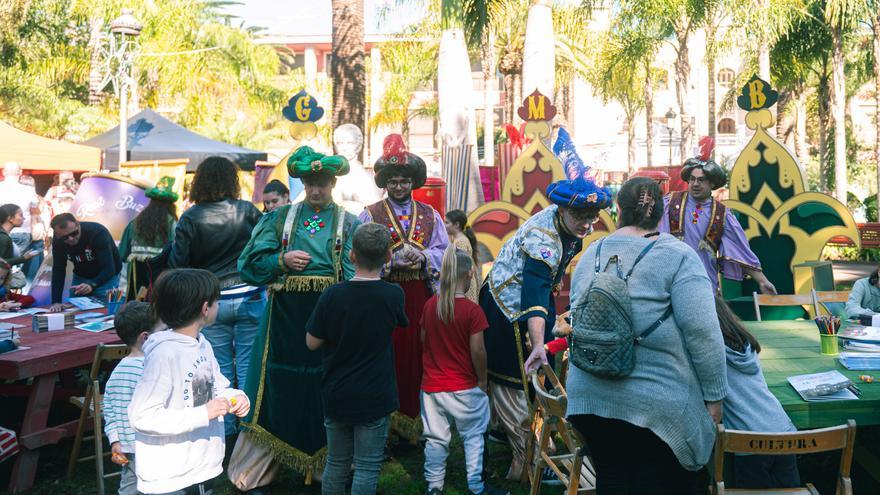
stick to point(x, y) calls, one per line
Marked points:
point(679, 367)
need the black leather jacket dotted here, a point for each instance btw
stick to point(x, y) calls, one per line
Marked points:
point(212, 235)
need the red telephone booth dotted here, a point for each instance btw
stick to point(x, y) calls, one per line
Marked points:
point(433, 193)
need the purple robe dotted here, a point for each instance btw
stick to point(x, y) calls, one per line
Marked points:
point(733, 256)
point(436, 245)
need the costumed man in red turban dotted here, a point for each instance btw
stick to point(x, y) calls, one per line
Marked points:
point(706, 225)
point(418, 240)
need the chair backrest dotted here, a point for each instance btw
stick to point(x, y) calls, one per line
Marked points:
point(554, 401)
point(832, 301)
point(782, 300)
point(837, 296)
point(840, 437)
point(107, 352)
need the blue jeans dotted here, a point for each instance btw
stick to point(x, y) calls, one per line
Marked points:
point(128, 480)
point(232, 337)
point(100, 291)
point(364, 444)
point(32, 266)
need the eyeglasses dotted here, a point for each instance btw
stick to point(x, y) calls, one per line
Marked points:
point(697, 180)
point(399, 183)
point(69, 236)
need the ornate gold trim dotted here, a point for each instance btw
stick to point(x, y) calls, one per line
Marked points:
point(536, 308)
point(303, 283)
point(517, 381)
point(258, 400)
point(409, 428)
point(286, 454)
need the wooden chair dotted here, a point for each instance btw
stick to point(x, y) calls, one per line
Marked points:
point(841, 437)
point(569, 463)
point(90, 404)
point(782, 300)
point(821, 297)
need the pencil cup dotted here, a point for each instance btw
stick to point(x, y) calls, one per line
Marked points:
point(829, 344)
point(113, 307)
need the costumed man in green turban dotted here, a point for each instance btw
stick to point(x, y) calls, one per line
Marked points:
point(147, 235)
point(297, 251)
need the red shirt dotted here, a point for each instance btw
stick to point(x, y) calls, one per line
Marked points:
point(446, 353)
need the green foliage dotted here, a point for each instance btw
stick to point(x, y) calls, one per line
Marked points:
point(209, 75)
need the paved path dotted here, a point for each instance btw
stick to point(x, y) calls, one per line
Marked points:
point(847, 272)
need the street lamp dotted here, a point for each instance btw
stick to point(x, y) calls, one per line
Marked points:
point(670, 126)
point(119, 52)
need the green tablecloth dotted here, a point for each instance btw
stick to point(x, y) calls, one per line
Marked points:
point(792, 348)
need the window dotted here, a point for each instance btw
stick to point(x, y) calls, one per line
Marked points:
point(726, 77)
point(727, 126)
point(421, 133)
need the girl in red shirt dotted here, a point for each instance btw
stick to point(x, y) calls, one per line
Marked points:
point(454, 377)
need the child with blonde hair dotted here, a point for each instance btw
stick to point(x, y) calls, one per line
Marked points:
point(454, 377)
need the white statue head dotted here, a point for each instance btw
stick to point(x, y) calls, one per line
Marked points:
point(11, 171)
point(348, 140)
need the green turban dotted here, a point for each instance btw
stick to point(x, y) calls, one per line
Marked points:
point(164, 190)
point(305, 162)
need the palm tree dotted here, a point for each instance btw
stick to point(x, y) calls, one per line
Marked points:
point(841, 16)
point(410, 64)
point(875, 28)
point(347, 63)
point(681, 18)
point(615, 79)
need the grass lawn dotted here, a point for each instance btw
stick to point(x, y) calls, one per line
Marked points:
point(401, 476)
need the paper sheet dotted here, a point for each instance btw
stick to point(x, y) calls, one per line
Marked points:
point(55, 321)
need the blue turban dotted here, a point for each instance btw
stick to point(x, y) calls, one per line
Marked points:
point(579, 193)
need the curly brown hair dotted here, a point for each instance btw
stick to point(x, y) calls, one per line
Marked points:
point(153, 224)
point(216, 179)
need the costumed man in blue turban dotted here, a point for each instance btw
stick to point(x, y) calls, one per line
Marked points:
point(297, 251)
point(518, 295)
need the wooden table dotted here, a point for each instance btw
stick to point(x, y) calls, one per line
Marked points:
point(792, 348)
point(49, 354)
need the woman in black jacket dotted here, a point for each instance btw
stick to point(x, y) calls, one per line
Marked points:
point(211, 235)
point(11, 216)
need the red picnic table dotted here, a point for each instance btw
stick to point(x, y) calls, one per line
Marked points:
point(49, 353)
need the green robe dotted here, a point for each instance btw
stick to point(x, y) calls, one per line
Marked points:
point(284, 377)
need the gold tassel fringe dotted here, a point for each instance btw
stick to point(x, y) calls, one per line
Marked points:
point(408, 428)
point(405, 275)
point(310, 283)
point(293, 458)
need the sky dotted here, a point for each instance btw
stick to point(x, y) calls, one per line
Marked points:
point(310, 17)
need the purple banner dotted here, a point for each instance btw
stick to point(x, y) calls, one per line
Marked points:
point(109, 200)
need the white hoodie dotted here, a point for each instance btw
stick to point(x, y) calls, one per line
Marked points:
point(175, 444)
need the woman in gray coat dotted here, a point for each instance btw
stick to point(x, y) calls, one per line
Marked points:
point(650, 432)
point(864, 299)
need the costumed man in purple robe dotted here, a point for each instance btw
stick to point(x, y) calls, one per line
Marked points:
point(709, 227)
point(418, 240)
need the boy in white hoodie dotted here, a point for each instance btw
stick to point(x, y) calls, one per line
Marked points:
point(178, 406)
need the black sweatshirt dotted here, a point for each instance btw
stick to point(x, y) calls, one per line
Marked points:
point(95, 257)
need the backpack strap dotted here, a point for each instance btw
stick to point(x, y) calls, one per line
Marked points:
point(615, 259)
point(654, 326)
point(639, 258)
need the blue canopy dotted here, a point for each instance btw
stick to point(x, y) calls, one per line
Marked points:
point(153, 137)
